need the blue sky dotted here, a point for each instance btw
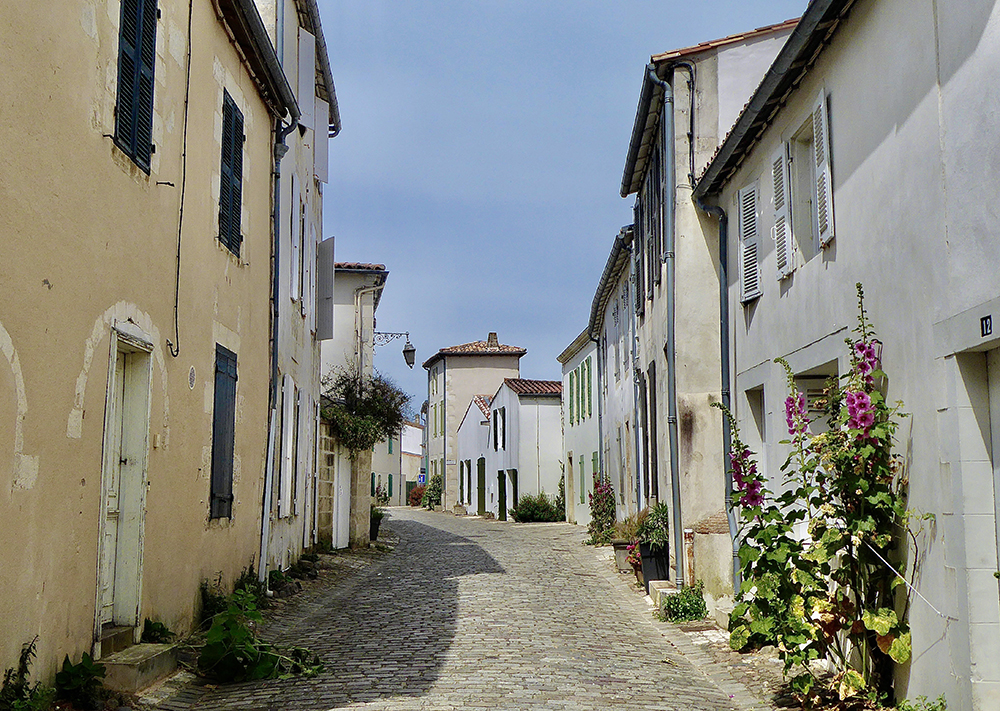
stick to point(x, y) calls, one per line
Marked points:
point(482, 154)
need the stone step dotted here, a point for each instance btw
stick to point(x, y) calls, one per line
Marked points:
point(115, 639)
point(658, 589)
point(137, 667)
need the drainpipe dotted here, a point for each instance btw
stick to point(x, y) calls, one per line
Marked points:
point(724, 358)
point(667, 132)
point(280, 149)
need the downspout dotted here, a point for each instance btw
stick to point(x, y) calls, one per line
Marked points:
point(280, 149)
point(726, 395)
point(667, 132)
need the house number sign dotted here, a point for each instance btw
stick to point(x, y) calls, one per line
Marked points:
point(986, 326)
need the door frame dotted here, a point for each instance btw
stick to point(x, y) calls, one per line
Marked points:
point(136, 347)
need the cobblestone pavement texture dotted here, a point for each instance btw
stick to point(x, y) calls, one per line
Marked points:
point(469, 614)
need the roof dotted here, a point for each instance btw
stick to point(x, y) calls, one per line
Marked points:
point(813, 32)
point(731, 39)
point(534, 387)
point(618, 261)
point(575, 347)
point(248, 32)
point(359, 267)
point(483, 403)
point(490, 347)
point(480, 401)
point(377, 270)
point(651, 98)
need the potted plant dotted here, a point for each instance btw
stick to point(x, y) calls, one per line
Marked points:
point(376, 520)
point(654, 544)
point(634, 559)
point(625, 533)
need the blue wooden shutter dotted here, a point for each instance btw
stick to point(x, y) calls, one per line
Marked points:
point(136, 63)
point(223, 434)
point(231, 185)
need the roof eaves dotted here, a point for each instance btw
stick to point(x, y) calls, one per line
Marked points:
point(242, 21)
point(807, 41)
point(575, 347)
point(328, 91)
point(724, 41)
point(617, 262)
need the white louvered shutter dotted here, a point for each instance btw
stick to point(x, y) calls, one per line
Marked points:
point(296, 239)
point(287, 430)
point(782, 225)
point(824, 179)
point(749, 244)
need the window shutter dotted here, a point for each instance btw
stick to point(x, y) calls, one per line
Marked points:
point(782, 232)
point(595, 464)
point(390, 485)
point(373, 484)
point(294, 213)
point(287, 431)
point(590, 398)
point(824, 174)
point(571, 397)
point(637, 240)
point(750, 266)
point(503, 427)
point(136, 63)
point(303, 256)
point(231, 184)
point(223, 434)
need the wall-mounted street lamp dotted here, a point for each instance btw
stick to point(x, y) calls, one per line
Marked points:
point(409, 352)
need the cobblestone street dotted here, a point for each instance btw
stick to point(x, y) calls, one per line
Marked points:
point(476, 614)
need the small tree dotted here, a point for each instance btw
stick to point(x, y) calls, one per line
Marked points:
point(602, 512)
point(433, 491)
point(363, 410)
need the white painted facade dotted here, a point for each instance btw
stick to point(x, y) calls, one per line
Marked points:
point(713, 80)
point(356, 294)
point(387, 465)
point(910, 97)
point(580, 425)
point(613, 323)
point(291, 522)
point(522, 455)
point(473, 443)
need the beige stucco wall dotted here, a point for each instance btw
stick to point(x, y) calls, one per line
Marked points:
point(91, 241)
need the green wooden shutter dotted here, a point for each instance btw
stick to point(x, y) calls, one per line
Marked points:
point(373, 483)
point(570, 397)
point(390, 485)
point(223, 434)
point(590, 398)
point(595, 463)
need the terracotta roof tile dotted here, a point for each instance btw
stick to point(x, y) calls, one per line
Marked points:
point(534, 387)
point(483, 403)
point(359, 267)
point(488, 347)
point(721, 42)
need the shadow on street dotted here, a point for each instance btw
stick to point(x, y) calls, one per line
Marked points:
point(383, 633)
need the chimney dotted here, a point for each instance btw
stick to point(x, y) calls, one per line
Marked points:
point(492, 341)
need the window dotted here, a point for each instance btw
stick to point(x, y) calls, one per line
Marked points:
point(639, 268)
point(749, 244)
point(231, 185)
point(136, 61)
point(807, 212)
point(223, 434)
point(390, 444)
point(295, 234)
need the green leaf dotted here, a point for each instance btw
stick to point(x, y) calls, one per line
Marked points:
point(850, 684)
point(739, 637)
point(880, 622)
point(901, 648)
point(748, 554)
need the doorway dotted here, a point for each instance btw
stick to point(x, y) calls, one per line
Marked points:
point(124, 474)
